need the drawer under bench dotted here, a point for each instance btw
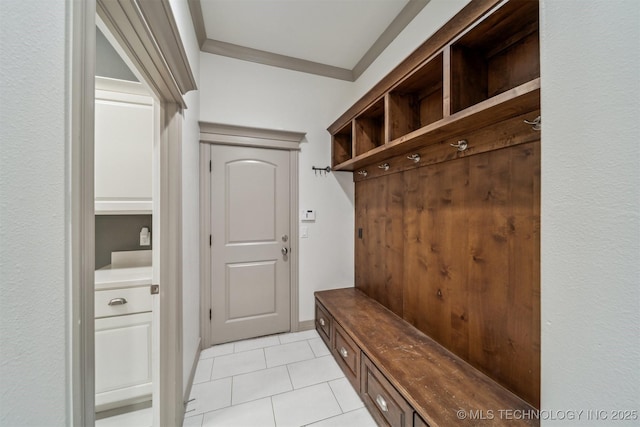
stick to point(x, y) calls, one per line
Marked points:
point(404, 377)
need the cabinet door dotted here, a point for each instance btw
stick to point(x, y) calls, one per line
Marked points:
point(123, 360)
point(123, 151)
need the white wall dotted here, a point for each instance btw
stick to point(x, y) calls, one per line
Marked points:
point(590, 69)
point(33, 215)
point(243, 93)
point(190, 198)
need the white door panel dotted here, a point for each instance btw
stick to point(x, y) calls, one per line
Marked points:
point(250, 289)
point(251, 185)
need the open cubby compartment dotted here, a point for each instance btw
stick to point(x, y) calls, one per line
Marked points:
point(417, 101)
point(369, 128)
point(342, 145)
point(498, 54)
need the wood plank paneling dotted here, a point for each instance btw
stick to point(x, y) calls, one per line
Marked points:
point(469, 261)
point(379, 252)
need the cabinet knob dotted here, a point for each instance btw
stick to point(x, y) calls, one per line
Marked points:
point(321, 321)
point(343, 352)
point(118, 301)
point(382, 403)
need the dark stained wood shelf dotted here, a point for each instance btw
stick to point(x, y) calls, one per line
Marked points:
point(434, 381)
point(506, 105)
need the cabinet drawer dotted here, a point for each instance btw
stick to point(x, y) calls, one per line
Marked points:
point(323, 324)
point(138, 300)
point(348, 355)
point(386, 405)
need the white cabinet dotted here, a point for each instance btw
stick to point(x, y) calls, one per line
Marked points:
point(123, 337)
point(123, 147)
point(123, 360)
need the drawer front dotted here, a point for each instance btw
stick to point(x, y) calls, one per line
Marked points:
point(381, 398)
point(348, 355)
point(323, 324)
point(116, 302)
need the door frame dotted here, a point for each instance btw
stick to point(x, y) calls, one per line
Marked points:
point(147, 34)
point(222, 134)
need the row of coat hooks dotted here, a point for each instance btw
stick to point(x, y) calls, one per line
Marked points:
point(461, 145)
point(322, 171)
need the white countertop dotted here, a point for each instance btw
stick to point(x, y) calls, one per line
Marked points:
point(112, 278)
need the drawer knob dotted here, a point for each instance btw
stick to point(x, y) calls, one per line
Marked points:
point(382, 403)
point(344, 352)
point(321, 321)
point(118, 301)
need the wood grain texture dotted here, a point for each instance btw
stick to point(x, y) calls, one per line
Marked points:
point(379, 253)
point(470, 256)
point(505, 134)
point(434, 381)
point(509, 104)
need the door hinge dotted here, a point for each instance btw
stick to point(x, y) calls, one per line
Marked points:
point(209, 165)
point(210, 240)
point(209, 314)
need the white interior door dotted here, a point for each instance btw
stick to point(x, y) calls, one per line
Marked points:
point(250, 271)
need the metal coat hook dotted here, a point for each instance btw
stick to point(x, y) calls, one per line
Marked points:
point(462, 145)
point(384, 166)
point(536, 124)
point(363, 172)
point(415, 157)
point(321, 170)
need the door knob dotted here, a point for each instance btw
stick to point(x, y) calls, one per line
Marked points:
point(285, 251)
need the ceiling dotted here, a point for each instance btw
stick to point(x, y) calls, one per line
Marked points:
point(333, 38)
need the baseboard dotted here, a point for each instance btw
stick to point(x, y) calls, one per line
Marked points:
point(192, 374)
point(306, 325)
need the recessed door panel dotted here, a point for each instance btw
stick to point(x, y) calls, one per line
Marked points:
point(251, 201)
point(251, 290)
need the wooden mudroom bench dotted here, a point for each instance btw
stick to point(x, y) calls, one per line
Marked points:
point(404, 377)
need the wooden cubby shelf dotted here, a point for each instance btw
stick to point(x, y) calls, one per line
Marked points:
point(517, 101)
point(498, 54)
point(342, 145)
point(416, 101)
point(369, 128)
point(487, 73)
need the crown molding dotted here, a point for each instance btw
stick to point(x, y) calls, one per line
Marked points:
point(268, 58)
point(216, 47)
point(195, 9)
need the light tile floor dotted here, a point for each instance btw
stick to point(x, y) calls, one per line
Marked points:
point(279, 380)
